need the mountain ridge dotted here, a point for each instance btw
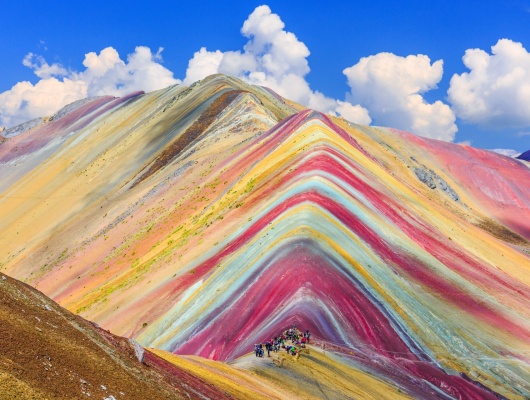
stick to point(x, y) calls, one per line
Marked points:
point(199, 219)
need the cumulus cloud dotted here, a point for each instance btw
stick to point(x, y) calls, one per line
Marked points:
point(391, 88)
point(107, 74)
point(104, 74)
point(385, 86)
point(202, 64)
point(26, 101)
point(496, 91)
point(41, 68)
point(274, 58)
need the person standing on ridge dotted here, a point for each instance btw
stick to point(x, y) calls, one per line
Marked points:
point(268, 347)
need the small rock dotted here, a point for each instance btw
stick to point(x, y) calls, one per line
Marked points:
point(103, 387)
point(47, 307)
point(447, 189)
point(139, 350)
point(3, 278)
point(425, 177)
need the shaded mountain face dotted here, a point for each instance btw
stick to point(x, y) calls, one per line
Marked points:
point(202, 219)
point(525, 156)
point(49, 353)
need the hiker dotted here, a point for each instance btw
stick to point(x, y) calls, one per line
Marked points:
point(297, 338)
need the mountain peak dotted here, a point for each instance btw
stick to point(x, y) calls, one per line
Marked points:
point(524, 156)
point(201, 219)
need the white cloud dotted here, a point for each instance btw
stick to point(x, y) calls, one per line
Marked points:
point(351, 112)
point(274, 58)
point(507, 152)
point(202, 64)
point(26, 101)
point(496, 91)
point(105, 74)
point(41, 68)
point(391, 88)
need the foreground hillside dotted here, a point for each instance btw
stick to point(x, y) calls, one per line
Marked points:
point(49, 353)
point(204, 219)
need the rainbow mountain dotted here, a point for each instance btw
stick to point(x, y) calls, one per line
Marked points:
point(200, 220)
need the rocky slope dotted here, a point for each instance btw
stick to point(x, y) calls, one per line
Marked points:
point(201, 219)
point(49, 353)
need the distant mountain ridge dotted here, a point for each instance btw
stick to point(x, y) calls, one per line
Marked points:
point(524, 156)
point(202, 219)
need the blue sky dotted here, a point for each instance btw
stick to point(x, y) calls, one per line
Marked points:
point(411, 95)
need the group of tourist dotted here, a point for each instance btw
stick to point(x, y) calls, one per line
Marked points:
point(297, 338)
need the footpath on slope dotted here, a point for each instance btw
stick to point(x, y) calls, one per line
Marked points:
point(312, 373)
point(316, 374)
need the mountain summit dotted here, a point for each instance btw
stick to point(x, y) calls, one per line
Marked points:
point(204, 219)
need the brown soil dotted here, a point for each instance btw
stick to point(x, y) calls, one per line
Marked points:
point(192, 133)
point(49, 353)
point(502, 233)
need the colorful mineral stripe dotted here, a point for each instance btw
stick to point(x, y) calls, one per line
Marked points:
point(200, 220)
